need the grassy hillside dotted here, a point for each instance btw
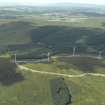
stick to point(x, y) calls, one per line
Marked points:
point(65, 38)
point(73, 65)
point(15, 33)
point(54, 36)
point(35, 89)
point(88, 91)
point(33, 37)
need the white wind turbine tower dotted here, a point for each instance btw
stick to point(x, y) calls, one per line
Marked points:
point(74, 51)
point(15, 58)
point(48, 56)
point(100, 55)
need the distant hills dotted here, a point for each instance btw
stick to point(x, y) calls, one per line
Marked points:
point(57, 7)
point(56, 38)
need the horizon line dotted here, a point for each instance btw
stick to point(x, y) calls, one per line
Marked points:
point(46, 4)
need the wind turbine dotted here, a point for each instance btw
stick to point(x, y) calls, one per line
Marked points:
point(74, 51)
point(48, 56)
point(15, 58)
point(100, 55)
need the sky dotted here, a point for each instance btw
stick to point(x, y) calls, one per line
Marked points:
point(43, 2)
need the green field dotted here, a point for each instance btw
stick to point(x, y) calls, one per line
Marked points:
point(35, 88)
point(14, 33)
point(73, 65)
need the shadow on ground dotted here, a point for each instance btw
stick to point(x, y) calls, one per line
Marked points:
point(84, 64)
point(61, 38)
point(8, 73)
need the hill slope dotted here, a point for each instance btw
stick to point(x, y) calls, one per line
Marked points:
point(65, 38)
point(15, 33)
point(57, 38)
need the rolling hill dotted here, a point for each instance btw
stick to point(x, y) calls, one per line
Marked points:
point(20, 35)
point(15, 33)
